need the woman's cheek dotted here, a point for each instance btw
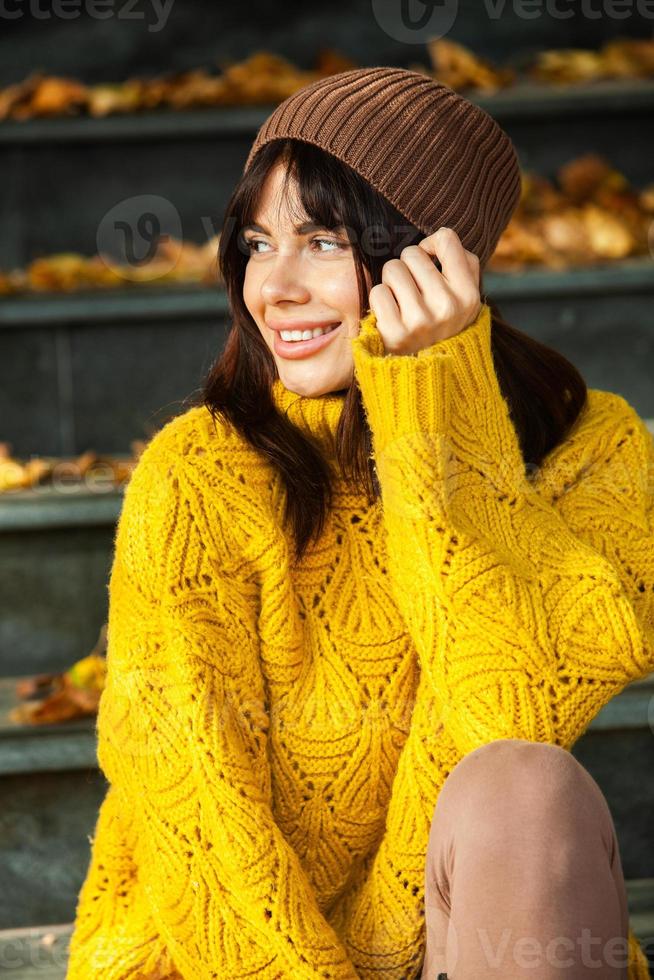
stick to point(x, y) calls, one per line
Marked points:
point(251, 293)
point(341, 292)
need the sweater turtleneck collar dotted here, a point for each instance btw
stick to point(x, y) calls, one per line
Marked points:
point(316, 416)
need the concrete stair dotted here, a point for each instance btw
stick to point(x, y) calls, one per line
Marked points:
point(40, 952)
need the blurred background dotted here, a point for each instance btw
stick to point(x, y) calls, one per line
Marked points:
point(124, 127)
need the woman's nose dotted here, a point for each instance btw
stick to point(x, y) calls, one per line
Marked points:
point(284, 282)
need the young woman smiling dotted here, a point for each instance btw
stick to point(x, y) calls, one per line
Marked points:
point(368, 592)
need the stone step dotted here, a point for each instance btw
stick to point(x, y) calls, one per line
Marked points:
point(528, 100)
point(85, 341)
point(40, 952)
point(51, 789)
point(181, 303)
point(71, 745)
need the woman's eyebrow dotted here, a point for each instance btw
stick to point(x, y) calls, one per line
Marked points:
point(302, 229)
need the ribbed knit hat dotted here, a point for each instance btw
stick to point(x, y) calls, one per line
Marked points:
point(437, 157)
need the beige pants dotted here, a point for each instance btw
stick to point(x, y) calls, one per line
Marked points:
point(523, 875)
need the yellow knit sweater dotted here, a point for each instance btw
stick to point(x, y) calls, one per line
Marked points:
point(276, 734)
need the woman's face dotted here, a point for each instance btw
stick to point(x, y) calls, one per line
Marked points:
point(299, 278)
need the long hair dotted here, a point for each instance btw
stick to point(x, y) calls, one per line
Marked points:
point(544, 391)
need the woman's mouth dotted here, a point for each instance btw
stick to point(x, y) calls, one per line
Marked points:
point(296, 349)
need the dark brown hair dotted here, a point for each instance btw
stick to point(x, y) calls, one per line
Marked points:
point(544, 391)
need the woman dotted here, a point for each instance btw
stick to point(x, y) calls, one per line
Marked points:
point(402, 561)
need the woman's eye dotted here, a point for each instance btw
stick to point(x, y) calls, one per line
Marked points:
point(327, 241)
point(251, 244)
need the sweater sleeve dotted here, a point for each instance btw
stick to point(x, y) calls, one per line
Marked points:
point(472, 578)
point(182, 738)
point(608, 502)
point(523, 629)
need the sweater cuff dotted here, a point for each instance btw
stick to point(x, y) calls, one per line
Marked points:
point(403, 394)
point(449, 390)
point(450, 386)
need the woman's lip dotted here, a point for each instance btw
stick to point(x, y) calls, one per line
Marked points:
point(294, 350)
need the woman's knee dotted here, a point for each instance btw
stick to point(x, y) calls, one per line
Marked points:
point(515, 778)
point(505, 799)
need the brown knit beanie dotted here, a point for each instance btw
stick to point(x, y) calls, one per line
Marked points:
point(438, 158)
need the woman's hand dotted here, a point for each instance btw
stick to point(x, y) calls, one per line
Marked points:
point(415, 304)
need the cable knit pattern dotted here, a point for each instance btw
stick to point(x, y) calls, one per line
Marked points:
point(275, 734)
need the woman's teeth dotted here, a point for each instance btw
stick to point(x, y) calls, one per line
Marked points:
point(306, 334)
